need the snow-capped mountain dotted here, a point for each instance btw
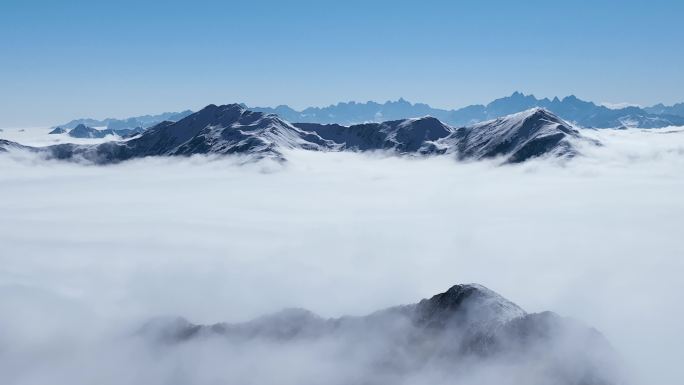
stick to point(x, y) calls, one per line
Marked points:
point(465, 326)
point(516, 137)
point(232, 129)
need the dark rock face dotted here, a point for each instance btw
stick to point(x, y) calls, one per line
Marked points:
point(467, 326)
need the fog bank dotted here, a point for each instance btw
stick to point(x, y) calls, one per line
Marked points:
point(87, 252)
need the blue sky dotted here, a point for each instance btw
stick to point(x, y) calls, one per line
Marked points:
point(68, 59)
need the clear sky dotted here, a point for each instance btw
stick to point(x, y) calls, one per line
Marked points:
point(66, 59)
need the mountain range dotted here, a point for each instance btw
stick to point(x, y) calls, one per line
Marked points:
point(570, 108)
point(574, 110)
point(233, 129)
point(460, 330)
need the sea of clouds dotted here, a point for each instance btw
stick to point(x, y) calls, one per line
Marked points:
point(90, 253)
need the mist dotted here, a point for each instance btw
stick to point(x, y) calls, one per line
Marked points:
point(90, 253)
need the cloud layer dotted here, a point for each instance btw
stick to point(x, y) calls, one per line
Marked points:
point(88, 253)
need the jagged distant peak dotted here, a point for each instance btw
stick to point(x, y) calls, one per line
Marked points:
point(571, 108)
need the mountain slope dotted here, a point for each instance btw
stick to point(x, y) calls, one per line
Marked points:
point(466, 327)
point(403, 136)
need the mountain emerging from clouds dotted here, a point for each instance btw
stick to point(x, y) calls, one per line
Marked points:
point(466, 329)
point(233, 129)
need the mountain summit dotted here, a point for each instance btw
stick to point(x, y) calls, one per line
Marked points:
point(518, 137)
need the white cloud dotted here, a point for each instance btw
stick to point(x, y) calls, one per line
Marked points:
point(87, 251)
point(617, 106)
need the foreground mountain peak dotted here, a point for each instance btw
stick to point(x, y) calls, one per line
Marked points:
point(464, 328)
point(467, 305)
point(518, 137)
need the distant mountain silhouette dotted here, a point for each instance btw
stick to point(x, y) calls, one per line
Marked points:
point(582, 113)
point(84, 132)
point(661, 109)
point(143, 121)
point(579, 112)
